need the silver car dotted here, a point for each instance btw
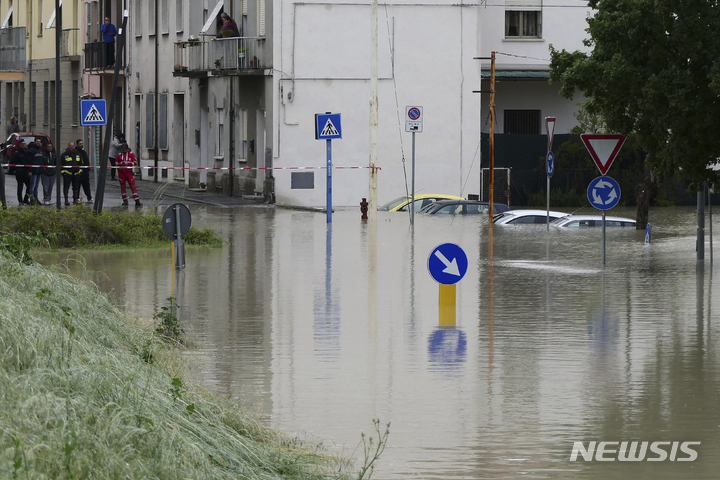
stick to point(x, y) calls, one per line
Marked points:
point(589, 221)
point(526, 217)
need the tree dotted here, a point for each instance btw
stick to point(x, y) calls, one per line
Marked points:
point(653, 72)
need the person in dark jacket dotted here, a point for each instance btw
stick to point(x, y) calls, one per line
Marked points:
point(84, 172)
point(37, 162)
point(48, 174)
point(71, 161)
point(22, 174)
point(229, 28)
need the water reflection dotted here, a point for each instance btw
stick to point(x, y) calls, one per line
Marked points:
point(319, 328)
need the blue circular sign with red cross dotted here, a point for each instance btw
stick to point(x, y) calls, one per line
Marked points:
point(414, 113)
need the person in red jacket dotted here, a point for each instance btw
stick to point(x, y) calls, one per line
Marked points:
point(127, 159)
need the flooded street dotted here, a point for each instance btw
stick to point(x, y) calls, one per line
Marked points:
point(318, 330)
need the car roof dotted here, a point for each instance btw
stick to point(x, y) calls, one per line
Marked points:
point(597, 217)
point(505, 217)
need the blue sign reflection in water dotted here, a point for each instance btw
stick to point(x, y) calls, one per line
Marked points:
point(447, 349)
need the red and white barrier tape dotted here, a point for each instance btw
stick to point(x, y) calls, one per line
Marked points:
point(68, 167)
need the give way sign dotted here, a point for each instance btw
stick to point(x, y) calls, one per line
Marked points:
point(603, 149)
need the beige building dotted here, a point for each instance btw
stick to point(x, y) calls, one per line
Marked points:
point(27, 66)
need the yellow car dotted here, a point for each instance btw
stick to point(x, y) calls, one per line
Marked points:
point(422, 200)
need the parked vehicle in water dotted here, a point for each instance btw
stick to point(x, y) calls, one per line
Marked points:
point(422, 200)
point(463, 207)
point(526, 217)
point(590, 221)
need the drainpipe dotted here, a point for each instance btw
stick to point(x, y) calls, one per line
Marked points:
point(156, 138)
point(231, 152)
point(58, 148)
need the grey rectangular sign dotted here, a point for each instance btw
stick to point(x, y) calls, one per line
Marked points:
point(302, 180)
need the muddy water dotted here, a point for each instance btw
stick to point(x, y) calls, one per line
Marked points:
point(319, 330)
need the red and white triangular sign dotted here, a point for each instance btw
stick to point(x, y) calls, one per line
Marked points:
point(550, 129)
point(603, 149)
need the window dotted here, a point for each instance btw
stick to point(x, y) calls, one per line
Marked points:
point(178, 16)
point(261, 18)
point(138, 19)
point(243, 150)
point(46, 103)
point(7, 22)
point(522, 122)
point(76, 102)
point(151, 17)
point(220, 140)
point(39, 11)
point(527, 219)
point(165, 19)
point(523, 18)
point(33, 103)
point(163, 121)
point(149, 119)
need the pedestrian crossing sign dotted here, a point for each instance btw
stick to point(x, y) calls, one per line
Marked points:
point(93, 112)
point(327, 126)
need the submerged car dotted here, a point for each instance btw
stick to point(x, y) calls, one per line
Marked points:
point(590, 221)
point(526, 217)
point(401, 204)
point(463, 207)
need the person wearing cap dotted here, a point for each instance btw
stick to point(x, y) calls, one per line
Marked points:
point(126, 160)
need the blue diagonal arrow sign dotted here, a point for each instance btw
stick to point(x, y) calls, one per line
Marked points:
point(447, 263)
point(603, 193)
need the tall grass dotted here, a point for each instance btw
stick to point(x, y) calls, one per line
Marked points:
point(86, 394)
point(79, 227)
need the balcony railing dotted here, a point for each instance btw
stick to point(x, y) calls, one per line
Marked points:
point(95, 56)
point(221, 54)
point(69, 46)
point(12, 48)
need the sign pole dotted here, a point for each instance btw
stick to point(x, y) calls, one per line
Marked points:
point(412, 195)
point(549, 161)
point(179, 243)
point(603, 238)
point(329, 180)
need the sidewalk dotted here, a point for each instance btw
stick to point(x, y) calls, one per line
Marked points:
point(151, 194)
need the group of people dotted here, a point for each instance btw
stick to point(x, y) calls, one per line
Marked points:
point(33, 166)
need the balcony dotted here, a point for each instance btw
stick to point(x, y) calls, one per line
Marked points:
point(12, 48)
point(69, 45)
point(221, 56)
point(95, 61)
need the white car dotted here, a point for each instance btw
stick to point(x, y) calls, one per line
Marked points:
point(588, 221)
point(526, 217)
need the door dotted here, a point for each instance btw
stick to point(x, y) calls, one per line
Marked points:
point(203, 144)
point(260, 150)
point(178, 128)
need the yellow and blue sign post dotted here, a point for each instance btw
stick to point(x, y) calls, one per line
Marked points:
point(447, 265)
point(328, 127)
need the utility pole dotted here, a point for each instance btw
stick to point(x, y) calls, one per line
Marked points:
point(156, 140)
point(372, 196)
point(58, 91)
point(492, 133)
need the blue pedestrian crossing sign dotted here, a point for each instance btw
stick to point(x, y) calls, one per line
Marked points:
point(447, 264)
point(603, 193)
point(327, 126)
point(93, 112)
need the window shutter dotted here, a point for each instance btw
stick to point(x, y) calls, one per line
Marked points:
point(261, 18)
point(523, 5)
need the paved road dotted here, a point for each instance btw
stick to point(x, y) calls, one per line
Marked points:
point(151, 194)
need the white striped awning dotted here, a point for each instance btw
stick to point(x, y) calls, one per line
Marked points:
point(523, 5)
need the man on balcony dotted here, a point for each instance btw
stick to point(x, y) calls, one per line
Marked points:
point(108, 32)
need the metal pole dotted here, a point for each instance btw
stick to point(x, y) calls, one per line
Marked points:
point(603, 239)
point(709, 200)
point(491, 191)
point(58, 91)
point(179, 243)
point(372, 195)
point(156, 140)
point(548, 204)
point(329, 179)
point(412, 195)
point(100, 188)
point(700, 242)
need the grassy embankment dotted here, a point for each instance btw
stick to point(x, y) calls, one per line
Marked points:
point(87, 393)
point(79, 227)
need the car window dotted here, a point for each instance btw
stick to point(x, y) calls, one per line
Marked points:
point(523, 219)
point(476, 209)
point(629, 224)
point(393, 203)
point(449, 210)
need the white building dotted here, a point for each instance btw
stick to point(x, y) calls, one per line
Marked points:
point(520, 32)
point(253, 99)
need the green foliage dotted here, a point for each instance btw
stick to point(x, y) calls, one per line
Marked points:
point(81, 227)
point(103, 412)
point(372, 449)
point(169, 328)
point(653, 71)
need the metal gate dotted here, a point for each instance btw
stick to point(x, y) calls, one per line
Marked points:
point(501, 185)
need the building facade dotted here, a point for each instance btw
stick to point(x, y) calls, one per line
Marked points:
point(28, 66)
